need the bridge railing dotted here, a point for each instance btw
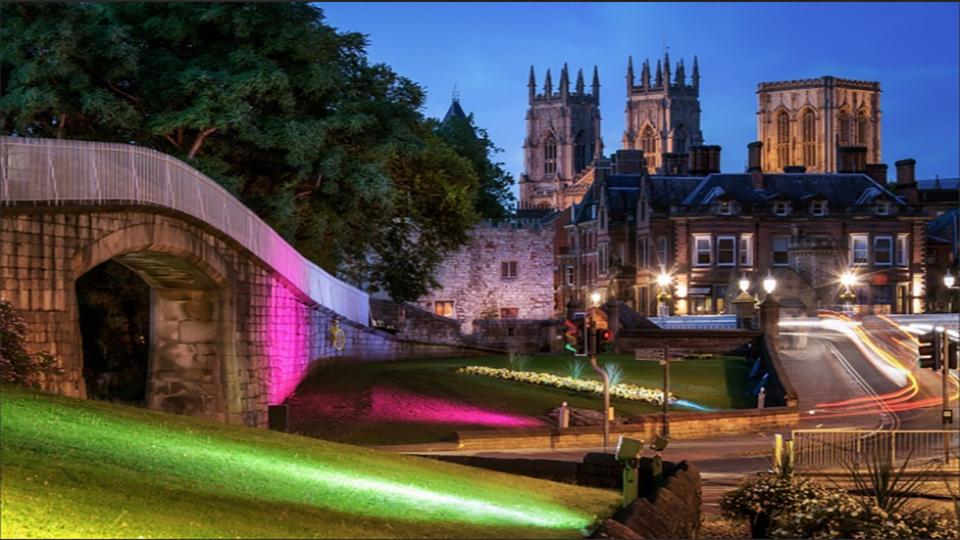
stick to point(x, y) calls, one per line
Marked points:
point(57, 172)
point(819, 449)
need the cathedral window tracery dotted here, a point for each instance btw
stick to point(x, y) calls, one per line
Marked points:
point(809, 139)
point(862, 129)
point(550, 155)
point(783, 138)
point(845, 128)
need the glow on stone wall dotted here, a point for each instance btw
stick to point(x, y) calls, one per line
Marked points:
point(286, 348)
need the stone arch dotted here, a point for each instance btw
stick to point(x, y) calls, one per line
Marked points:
point(193, 367)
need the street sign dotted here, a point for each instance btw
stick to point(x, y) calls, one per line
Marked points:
point(648, 354)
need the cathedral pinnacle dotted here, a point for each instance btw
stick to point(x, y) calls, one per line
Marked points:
point(629, 73)
point(666, 70)
point(681, 76)
point(548, 85)
point(564, 81)
point(580, 82)
point(696, 73)
point(596, 83)
point(645, 74)
point(659, 75)
point(532, 85)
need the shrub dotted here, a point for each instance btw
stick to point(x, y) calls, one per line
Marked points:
point(516, 361)
point(615, 372)
point(770, 494)
point(17, 365)
point(844, 517)
point(576, 368)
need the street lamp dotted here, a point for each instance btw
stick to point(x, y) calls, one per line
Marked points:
point(949, 280)
point(769, 283)
point(848, 280)
point(595, 297)
point(663, 280)
point(744, 282)
point(744, 304)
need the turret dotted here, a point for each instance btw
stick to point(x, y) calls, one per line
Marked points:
point(666, 70)
point(681, 76)
point(645, 74)
point(548, 85)
point(532, 85)
point(596, 83)
point(659, 75)
point(696, 73)
point(580, 82)
point(564, 82)
point(629, 74)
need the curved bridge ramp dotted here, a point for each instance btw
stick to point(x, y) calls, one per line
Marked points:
point(237, 315)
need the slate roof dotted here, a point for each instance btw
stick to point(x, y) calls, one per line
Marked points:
point(672, 190)
point(943, 230)
point(840, 189)
point(944, 183)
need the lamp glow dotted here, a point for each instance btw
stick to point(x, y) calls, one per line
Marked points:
point(595, 297)
point(664, 279)
point(744, 283)
point(769, 282)
point(848, 279)
point(948, 279)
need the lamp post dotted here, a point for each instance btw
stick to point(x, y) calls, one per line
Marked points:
point(664, 281)
point(744, 304)
point(769, 283)
point(592, 347)
point(949, 280)
point(770, 312)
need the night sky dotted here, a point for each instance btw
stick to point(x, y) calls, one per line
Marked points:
point(486, 50)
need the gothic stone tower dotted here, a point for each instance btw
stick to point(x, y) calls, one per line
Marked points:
point(663, 116)
point(563, 136)
point(804, 122)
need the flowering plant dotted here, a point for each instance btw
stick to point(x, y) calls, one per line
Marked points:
point(845, 517)
point(770, 494)
point(630, 392)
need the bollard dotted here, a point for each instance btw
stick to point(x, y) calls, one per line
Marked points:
point(611, 414)
point(564, 416)
point(777, 453)
point(789, 459)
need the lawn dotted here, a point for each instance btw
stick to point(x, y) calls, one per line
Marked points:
point(425, 401)
point(86, 469)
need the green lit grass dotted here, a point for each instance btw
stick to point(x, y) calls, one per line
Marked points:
point(77, 469)
point(715, 383)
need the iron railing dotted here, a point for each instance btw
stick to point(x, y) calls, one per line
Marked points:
point(817, 449)
point(49, 172)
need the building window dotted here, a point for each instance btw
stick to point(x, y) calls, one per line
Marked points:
point(701, 245)
point(844, 121)
point(649, 142)
point(680, 141)
point(781, 251)
point(862, 128)
point(883, 208)
point(508, 313)
point(568, 275)
point(720, 293)
point(783, 139)
point(859, 251)
point(780, 208)
point(444, 308)
point(746, 250)
point(902, 254)
point(818, 208)
point(644, 253)
point(726, 250)
point(883, 251)
point(603, 258)
point(581, 157)
point(882, 299)
point(726, 208)
point(662, 259)
point(809, 139)
point(550, 155)
point(508, 269)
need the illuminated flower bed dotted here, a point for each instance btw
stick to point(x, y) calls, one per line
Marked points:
point(630, 392)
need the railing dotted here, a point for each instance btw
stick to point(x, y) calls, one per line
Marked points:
point(701, 322)
point(57, 172)
point(832, 448)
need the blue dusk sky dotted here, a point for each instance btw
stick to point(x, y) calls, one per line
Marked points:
point(486, 50)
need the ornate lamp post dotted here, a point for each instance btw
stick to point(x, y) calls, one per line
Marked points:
point(663, 297)
point(744, 304)
point(848, 280)
point(769, 283)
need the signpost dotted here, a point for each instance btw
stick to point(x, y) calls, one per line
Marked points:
point(664, 356)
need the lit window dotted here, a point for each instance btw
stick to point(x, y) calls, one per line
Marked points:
point(568, 275)
point(726, 250)
point(902, 255)
point(883, 251)
point(746, 250)
point(859, 250)
point(781, 251)
point(726, 208)
point(508, 269)
point(818, 208)
point(508, 313)
point(443, 308)
point(702, 248)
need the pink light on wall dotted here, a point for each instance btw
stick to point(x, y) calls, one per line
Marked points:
point(392, 404)
point(286, 348)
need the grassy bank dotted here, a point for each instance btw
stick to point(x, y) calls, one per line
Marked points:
point(424, 401)
point(76, 469)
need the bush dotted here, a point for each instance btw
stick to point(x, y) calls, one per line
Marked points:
point(576, 368)
point(17, 365)
point(615, 372)
point(842, 516)
point(770, 494)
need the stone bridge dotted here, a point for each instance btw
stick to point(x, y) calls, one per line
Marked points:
point(237, 315)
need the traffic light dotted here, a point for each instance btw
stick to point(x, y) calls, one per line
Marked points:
point(576, 334)
point(929, 350)
point(604, 340)
point(951, 359)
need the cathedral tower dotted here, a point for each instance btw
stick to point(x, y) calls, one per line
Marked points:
point(663, 112)
point(563, 136)
point(805, 122)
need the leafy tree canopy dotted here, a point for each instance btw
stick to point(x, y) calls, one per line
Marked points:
point(283, 110)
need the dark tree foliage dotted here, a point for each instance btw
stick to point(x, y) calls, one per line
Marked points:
point(493, 199)
point(283, 110)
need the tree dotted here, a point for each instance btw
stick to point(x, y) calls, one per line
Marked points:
point(493, 199)
point(281, 109)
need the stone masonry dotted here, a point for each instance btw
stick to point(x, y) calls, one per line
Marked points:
point(479, 286)
point(228, 336)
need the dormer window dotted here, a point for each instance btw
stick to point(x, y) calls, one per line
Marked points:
point(726, 208)
point(819, 208)
point(780, 208)
point(883, 208)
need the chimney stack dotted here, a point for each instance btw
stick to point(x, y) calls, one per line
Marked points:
point(628, 162)
point(906, 180)
point(754, 152)
point(877, 171)
point(704, 160)
point(675, 164)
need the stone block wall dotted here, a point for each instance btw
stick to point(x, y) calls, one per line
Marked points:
point(700, 341)
point(410, 322)
point(472, 277)
point(516, 334)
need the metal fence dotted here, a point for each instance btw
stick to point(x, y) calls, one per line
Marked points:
point(833, 448)
point(59, 172)
point(700, 322)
